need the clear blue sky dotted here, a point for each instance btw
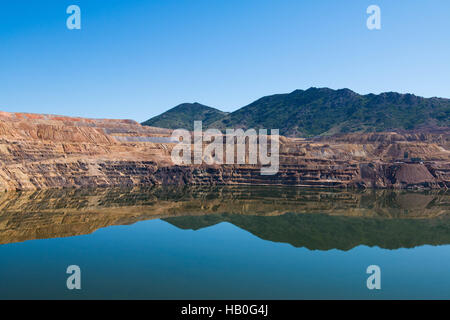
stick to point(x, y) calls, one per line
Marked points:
point(135, 59)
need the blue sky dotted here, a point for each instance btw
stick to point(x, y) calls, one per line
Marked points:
point(135, 59)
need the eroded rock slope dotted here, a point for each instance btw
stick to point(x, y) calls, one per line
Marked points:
point(44, 151)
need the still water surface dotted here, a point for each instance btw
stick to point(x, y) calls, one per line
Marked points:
point(224, 243)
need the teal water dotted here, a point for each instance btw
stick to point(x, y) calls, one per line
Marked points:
point(223, 251)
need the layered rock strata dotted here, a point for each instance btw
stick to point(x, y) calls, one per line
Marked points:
point(44, 151)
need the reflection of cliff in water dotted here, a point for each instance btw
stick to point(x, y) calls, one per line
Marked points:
point(315, 219)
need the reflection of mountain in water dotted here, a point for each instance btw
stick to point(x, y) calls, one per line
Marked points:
point(324, 232)
point(315, 219)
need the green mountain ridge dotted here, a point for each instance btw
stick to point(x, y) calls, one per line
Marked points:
point(184, 115)
point(318, 111)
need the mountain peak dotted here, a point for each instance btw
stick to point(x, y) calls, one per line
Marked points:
point(183, 116)
point(189, 105)
point(318, 111)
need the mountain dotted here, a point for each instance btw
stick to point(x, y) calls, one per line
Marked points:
point(324, 111)
point(183, 116)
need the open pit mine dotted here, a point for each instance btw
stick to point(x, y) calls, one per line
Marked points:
point(46, 151)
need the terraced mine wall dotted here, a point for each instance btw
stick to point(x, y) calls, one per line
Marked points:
point(43, 151)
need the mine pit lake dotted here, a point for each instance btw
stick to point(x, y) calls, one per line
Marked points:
point(224, 243)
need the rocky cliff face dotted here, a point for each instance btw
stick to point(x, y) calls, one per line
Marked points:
point(43, 151)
